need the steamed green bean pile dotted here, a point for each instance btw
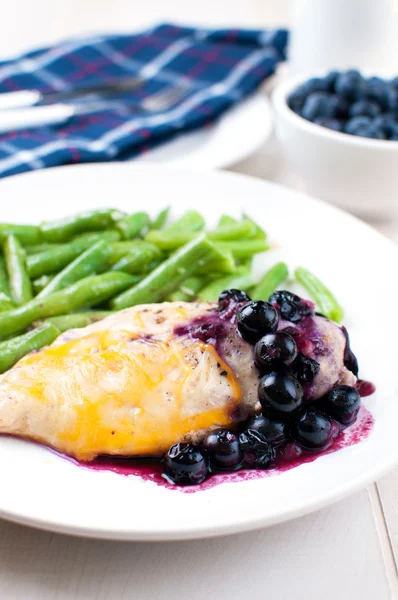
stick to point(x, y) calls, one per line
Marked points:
point(74, 271)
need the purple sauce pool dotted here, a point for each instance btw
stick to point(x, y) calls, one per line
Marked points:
point(365, 388)
point(290, 457)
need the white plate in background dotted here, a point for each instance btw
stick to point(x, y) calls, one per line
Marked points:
point(236, 135)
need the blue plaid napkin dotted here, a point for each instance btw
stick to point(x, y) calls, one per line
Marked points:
point(216, 68)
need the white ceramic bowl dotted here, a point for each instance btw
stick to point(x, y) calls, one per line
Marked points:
point(359, 174)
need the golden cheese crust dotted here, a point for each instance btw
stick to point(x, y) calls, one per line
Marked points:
point(128, 385)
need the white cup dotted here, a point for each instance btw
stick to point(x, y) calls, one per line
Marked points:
point(341, 34)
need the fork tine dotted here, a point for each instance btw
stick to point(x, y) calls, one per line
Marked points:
point(163, 99)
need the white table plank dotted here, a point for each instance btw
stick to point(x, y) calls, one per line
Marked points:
point(388, 490)
point(334, 553)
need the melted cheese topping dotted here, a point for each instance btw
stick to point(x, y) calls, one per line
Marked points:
point(111, 392)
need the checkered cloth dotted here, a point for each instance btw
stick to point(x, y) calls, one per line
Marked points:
point(216, 68)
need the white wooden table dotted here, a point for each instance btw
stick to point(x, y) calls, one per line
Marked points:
point(348, 551)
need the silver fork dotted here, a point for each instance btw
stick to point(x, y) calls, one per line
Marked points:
point(163, 100)
point(60, 113)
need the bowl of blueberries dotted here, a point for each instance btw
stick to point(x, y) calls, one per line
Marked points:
point(340, 133)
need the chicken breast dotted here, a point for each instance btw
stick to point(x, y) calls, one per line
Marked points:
point(132, 384)
point(150, 376)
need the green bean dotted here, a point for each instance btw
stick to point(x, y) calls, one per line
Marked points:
point(75, 320)
point(234, 231)
point(244, 249)
point(133, 225)
point(13, 350)
point(37, 248)
point(226, 220)
point(189, 221)
point(26, 234)
point(321, 295)
point(62, 230)
point(247, 262)
point(241, 280)
point(5, 302)
point(110, 235)
point(90, 262)
point(224, 264)
point(270, 281)
point(170, 240)
point(85, 293)
point(138, 258)
point(20, 284)
point(258, 232)
point(161, 219)
point(120, 249)
point(188, 290)
point(145, 269)
point(4, 283)
point(55, 259)
point(41, 282)
point(169, 275)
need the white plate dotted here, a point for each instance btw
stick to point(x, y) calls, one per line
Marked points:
point(42, 489)
point(236, 135)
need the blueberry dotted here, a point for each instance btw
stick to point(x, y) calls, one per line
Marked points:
point(305, 369)
point(362, 127)
point(231, 296)
point(392, 100)
point(319, 104)
point(376, 90)
point(223, 449)
point(370, 132)
point(272, 430)
point(275, 349)
point(256, 319)
point(350, 85)
point(355, 123)
point(304, 89)
point(329, 81)
point(298, 96)
point(334, 124)
point(317, 84)
point(280, 391)
point(394, 82)
point(385, 122)
point(342, 108)
point(185, 465)
point(312, 430)
point(291, 307)
point(256, 449)
point(342, 403)
point(364, 108)
point(296, 102)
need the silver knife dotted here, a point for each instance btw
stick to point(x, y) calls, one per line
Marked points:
point(27, 109)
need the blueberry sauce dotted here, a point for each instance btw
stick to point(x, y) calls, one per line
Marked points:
point(350, 360)
point(210, 329)
point(213, 327)
point(365, 388)
point(288, 457)
point(307, 337)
